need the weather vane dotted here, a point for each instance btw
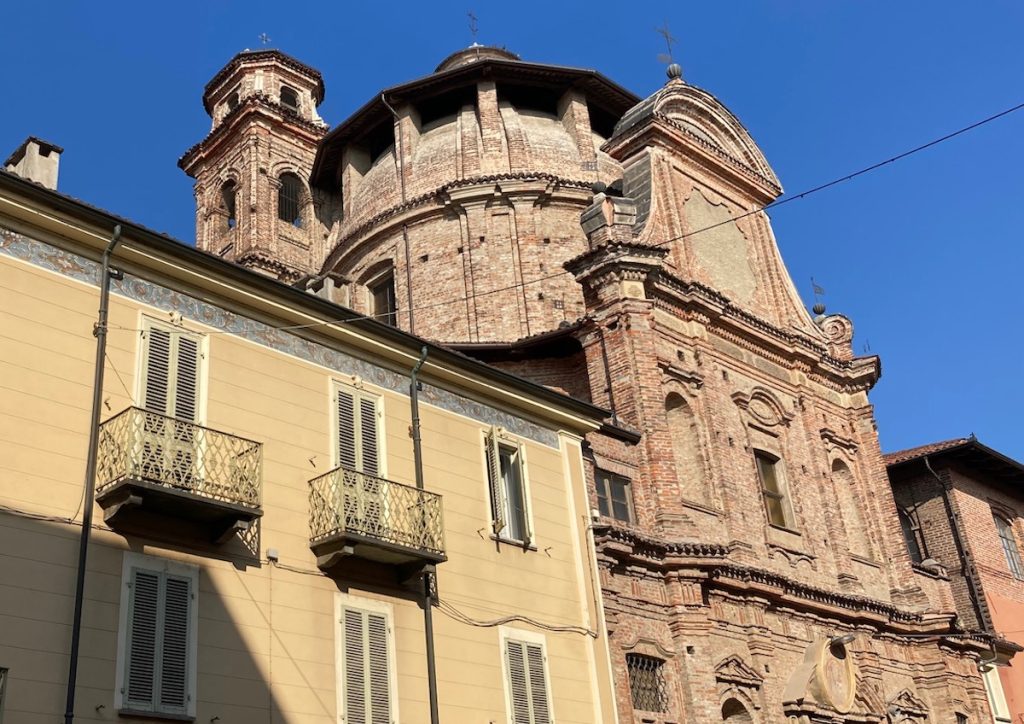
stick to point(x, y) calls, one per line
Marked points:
point(819, 292)
point(264, 38)
point(670, 40)
point(473, 28)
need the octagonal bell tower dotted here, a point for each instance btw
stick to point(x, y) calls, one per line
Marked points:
point(253, 200)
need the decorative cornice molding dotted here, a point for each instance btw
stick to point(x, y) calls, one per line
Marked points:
point(764, 407)
point(834, 441)
point(734, 670)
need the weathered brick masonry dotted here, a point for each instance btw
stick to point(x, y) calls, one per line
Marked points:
point(474, 189)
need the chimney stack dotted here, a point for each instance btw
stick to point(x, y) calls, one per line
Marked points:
point(36, 160)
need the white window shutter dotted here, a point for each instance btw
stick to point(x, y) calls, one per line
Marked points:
point(346, 429)
point(174, 658)
point(538, 684)
point(186, 379)
point(497, 490)
point(156, 370)
point(355, 667)
point(379, 669)
point(140, 678)
point(368, 436)
point(518, 683)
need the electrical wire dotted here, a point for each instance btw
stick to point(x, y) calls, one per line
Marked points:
point(773, 205)
point(454, 613)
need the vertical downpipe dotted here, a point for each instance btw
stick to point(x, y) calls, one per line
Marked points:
point(100, 332)
point(428, 613)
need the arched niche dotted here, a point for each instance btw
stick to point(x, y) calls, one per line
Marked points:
point(850, 510)
point(687, 449)
point(734, 712)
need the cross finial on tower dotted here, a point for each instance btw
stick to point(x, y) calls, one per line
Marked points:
point(264, 38)
point(674, 71)
point(473, 28)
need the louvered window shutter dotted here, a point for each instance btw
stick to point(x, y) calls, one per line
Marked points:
point(538, 684)
point(518, 683)
point(140, 679)
point(157, 370)
point(158, 643)
point(346, 429)
point(527, 683)
point(186, 379)
point(379, 676)
point(355, 667)
point(494, 482)
point(368, 436)
point(367, 667)
point(174, 673)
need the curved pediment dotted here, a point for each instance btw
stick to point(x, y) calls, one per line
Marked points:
point(701, 117)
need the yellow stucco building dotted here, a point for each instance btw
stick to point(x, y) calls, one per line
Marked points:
point(259, 545)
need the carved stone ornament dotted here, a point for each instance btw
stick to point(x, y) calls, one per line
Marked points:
point(834, 442)
point(906, 706)
point(826, 678)
point(763, 407)
point(733, 670)
point(838, 329)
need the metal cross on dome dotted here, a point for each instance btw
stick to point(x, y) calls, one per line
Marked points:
point(473, 28)
point(264, 38)
point(669, 42)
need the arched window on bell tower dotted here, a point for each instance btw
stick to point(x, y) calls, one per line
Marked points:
point(228, 196)
point(289, 200)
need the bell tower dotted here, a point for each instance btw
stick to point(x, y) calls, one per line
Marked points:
point(253, 200)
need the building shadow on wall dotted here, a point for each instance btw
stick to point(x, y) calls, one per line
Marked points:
point(246, 665)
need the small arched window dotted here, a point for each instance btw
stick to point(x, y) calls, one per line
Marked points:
point(289, 200)
point(290, 99)
point(912, 535)
point(1005, 530)
point(233, 101)
point(228, 193)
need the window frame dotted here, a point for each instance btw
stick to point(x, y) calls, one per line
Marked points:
point(909, 523)
point(163, 567)
point(344, 601)
point(297, 107)
point(385, 280)
point(1008, 541)
point(230, 204)
point(495, 441)
point(783, 494)
point(358, 393)
point(286, 180)
point(524, 638)
point(603, 480)
point(660, 681)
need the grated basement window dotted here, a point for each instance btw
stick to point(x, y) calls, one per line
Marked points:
point(647, 682)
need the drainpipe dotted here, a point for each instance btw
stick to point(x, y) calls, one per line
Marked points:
point(400, 146)
point(966, 562)
point(99, 331)
point(428, 602)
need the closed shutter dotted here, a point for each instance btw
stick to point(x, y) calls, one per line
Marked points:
point(159, 653)
point(358, 432)
point(527, 683)
point(367, 667)
point(496, 489)
point(170, 369)
point(140, 681)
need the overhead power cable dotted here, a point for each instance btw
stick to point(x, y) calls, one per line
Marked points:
point(732, 219)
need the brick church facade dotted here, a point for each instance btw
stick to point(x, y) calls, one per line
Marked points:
point(547, 221)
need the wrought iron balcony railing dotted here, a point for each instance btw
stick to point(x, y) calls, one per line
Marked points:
point(371, 511)
point(139, 446)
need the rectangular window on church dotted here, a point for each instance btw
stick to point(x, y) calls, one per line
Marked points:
point(647, 683)
point(384, 307)
point(773, 490)
point(614, 496)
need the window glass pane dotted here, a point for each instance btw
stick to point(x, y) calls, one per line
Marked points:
point(620, 510)
point(511, 476)
point(910, 536)
point(1013, 560)
point(614, 496)
point(602, 499)
point(766, 469)
point(776, 510)
point(382, 299)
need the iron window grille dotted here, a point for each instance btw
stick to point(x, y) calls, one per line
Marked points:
point(1005, 530)
point(614, 496)
point(647, 683)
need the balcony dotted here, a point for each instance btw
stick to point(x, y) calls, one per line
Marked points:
point(155, 472)
point(357, 515)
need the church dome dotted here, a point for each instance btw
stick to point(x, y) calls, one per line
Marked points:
point(474, 54)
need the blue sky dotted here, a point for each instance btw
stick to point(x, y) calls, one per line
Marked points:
point(924, 255)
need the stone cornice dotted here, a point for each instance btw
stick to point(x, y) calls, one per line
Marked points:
point(255, 103)
point(350, 240)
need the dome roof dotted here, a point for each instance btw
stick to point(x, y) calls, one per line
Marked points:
point(473, 54)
